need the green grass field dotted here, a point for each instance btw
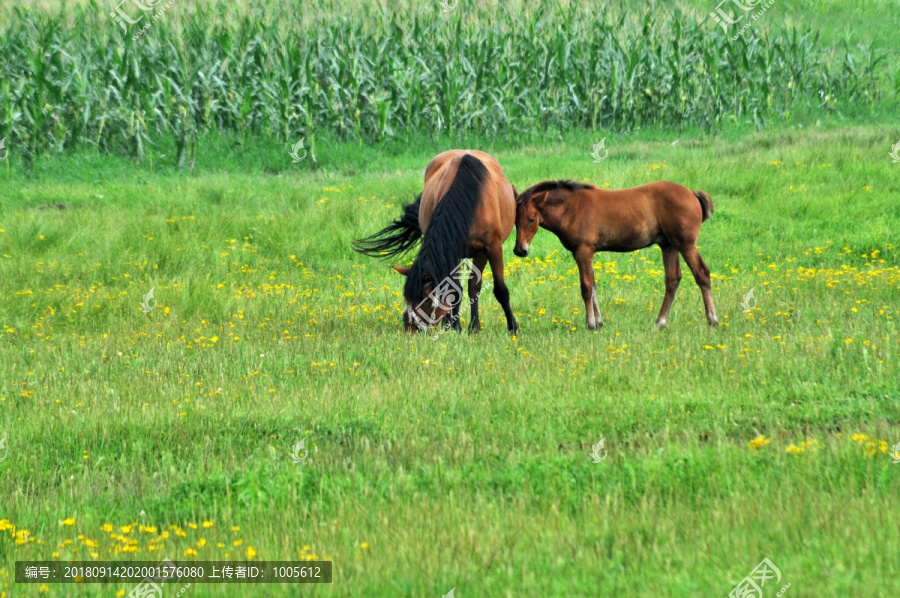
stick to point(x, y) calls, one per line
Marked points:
point(462, 462)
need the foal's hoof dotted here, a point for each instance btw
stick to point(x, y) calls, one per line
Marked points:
point(661, 324)
point(514, 328)
point(713, 322)
point(474, 327)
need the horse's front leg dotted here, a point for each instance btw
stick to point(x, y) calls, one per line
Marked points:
point(454, 320)
point(495, 257)
point(584, 257)
point(476, 279)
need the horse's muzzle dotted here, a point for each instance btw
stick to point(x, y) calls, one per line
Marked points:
point(520, 252)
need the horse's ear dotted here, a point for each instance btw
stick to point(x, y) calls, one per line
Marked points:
point(401, 270)
point(538, 198)
point(515, 193)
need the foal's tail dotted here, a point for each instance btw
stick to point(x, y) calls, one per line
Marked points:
point(705, 203)
point(397, 237)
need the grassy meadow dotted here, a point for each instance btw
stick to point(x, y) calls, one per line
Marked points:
point(461, 463)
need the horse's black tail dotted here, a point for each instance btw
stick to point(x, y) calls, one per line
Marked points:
point(398, 237)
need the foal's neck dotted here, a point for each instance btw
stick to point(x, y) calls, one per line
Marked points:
point(551, 215)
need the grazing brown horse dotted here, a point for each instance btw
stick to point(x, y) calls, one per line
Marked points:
point(466, 210)
point(587, 220)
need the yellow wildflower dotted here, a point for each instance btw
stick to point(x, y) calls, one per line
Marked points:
point(759, 442)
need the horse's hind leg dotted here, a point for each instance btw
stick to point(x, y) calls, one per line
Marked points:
point(701, 275)
point(495, 257)
point(584, 257)
point(673, 278)
point(475, 283)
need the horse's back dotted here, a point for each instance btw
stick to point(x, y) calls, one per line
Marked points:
point(497, 208)
point(658, 198)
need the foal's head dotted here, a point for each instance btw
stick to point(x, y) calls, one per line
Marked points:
point(529, 206)
point(528, 220)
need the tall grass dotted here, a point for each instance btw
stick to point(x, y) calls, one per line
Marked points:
point(71, 76)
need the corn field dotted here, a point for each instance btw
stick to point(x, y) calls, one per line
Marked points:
point(74, 76)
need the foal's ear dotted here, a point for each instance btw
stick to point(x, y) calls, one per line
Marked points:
point(515, 193)
point(538, 198)
point(401, 270)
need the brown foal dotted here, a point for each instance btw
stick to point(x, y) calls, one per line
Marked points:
point(587, 220)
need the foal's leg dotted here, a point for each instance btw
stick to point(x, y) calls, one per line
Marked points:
point(584, 257)
point(673, 277)
point(701, 275)
point(475, 291)
point(495, 257)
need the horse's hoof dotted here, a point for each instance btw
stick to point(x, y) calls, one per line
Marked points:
point(713, 322)
point(661, 324)
point(475, 329)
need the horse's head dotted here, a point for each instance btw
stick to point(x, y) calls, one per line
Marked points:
point(528, 220)
point(426, 304)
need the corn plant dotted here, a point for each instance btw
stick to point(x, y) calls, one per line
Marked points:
point(73, 78)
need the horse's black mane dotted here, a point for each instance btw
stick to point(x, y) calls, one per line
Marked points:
point(446, 241)
point(565, 184)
